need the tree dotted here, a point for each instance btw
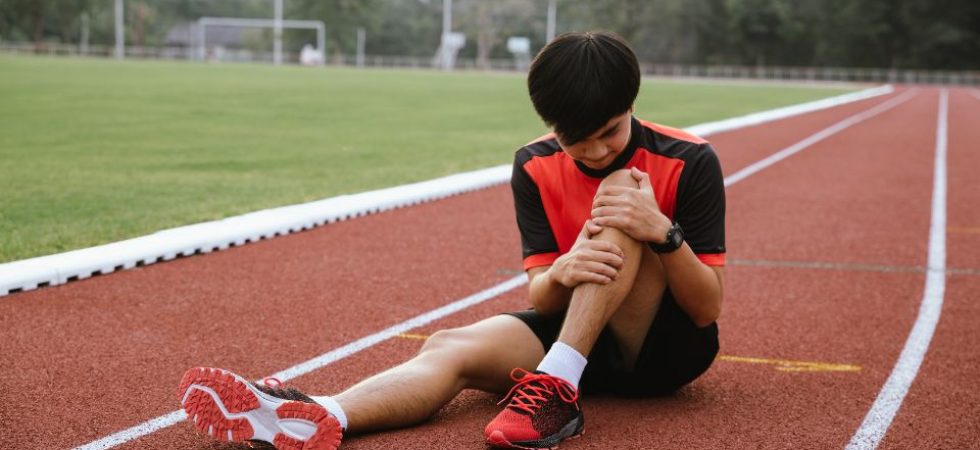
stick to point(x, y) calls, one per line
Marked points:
point(492, 21)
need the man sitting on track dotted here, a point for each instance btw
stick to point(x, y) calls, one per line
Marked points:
point(622, 227)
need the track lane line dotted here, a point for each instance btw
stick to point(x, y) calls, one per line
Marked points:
point(889, 400)
point(321, 361)
point(332, 356)
point(817, 137)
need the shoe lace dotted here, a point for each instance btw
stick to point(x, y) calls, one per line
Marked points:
point(533, 389)
point(272, 382)
point(275, 387)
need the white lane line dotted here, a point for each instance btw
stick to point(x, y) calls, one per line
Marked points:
point(889, 400)
point(975, 93)
point(761, 117)
point(368, 341)
point(817, 137)
point(321, 361)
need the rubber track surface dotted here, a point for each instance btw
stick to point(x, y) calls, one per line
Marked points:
point(91, 358)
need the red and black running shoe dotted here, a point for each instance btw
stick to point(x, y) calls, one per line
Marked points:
point(542, 412)
point(229, 408)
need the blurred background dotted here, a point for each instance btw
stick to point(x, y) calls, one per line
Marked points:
point(119, 118)
point(730, 38)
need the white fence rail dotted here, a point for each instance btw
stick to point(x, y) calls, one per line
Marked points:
point(838, 74)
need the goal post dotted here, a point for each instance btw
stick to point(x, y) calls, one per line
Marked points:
point(204, 22)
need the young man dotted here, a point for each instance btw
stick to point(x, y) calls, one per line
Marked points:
point(622, 227)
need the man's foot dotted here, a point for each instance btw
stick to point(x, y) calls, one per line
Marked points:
point(229, 408)
point(543, 411)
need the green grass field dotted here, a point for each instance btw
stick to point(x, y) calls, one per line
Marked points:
point(94, 151)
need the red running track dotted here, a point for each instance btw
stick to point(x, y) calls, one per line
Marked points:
point(826, 252)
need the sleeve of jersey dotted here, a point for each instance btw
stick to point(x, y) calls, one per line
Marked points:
point(537, 240)
point(701, 206)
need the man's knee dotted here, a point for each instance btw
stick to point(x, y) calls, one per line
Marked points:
point(450, 340)
point(621, 177)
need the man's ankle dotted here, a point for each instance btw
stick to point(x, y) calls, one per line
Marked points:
point(333, 408)
point(564, 362)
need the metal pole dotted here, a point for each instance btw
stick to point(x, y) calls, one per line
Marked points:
point(321, 41)
point(83, 45)
point(277, 47)
point(120, 35)
point(202, 40)
point(447, 27)
point(552, 13)
point(361, 37)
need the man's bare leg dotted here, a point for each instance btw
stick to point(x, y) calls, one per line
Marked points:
point(478, 356)
point(628, 304)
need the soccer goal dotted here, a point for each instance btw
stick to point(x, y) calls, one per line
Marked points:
point(204, 22)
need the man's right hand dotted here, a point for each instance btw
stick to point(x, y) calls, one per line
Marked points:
point(589, 261)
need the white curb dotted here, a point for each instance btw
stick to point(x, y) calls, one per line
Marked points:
point(52, 270)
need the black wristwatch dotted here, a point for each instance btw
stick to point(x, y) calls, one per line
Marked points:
point(674, 240)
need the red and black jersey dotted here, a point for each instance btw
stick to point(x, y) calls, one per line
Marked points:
point(553, 193)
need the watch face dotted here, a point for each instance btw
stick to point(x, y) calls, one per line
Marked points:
point(674, 239)
point(675, 236)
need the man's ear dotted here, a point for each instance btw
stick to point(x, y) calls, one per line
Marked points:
point(632, 108)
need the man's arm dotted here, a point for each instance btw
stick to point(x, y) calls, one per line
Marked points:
point(589, 261)
point(696, 286)
point(548, 297)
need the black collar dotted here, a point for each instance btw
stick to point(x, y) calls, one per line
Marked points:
point(636, 131)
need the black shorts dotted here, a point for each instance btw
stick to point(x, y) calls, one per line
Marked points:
point(674, 353)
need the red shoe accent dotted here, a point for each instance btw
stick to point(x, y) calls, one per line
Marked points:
point(206, 414)
point(327, 435)
point(533, 390)
point(543, 411)
point(210, 395)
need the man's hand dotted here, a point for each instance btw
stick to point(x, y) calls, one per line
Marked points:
point(589, 261)
point(634, 211)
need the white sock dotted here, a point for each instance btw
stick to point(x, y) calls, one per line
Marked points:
point(564, 362)
point(333, 408)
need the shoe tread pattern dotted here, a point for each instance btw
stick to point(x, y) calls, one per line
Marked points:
point(202, 408)
point(327, 435)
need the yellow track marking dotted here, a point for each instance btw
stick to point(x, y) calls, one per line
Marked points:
point(420, 337)
point(970, 230)
point(782, 365)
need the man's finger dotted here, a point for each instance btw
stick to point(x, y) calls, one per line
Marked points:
point(608, 200)
point(591, 228)
point(638, 174)
point(596, 278)
point(613, 190)
point(607, 211)
point(599, 268)
point(608, 258)
point(609, 220)
point(642, 178)
point(608, 247)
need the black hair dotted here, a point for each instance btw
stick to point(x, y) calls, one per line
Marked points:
point(580, 81)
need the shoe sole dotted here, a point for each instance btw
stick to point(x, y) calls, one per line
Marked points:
point(227, 407)
point(572, 430)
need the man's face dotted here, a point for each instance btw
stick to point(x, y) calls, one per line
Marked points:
point(601, 148)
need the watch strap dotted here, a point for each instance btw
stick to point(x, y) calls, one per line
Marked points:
point(673, 241)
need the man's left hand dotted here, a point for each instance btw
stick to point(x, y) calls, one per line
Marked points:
point(634, 211)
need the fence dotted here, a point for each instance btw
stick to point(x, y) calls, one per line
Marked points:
point(814, 74)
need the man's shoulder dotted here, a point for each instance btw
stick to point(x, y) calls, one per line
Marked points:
point(674, 143)
point(543, 146)
point(668, 132)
